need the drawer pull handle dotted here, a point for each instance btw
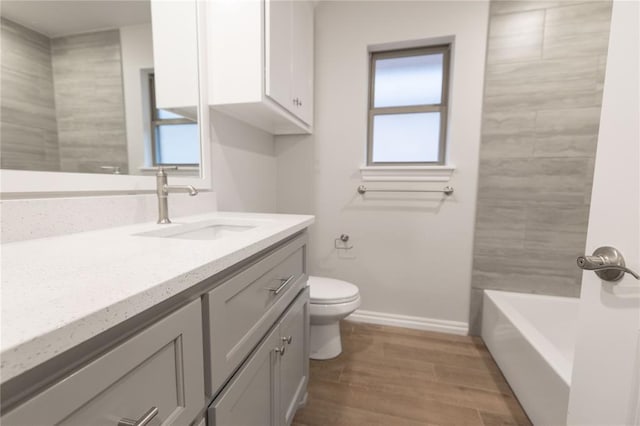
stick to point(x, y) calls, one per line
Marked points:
point(142, 421)
point(281, 350)
point(285, 282)
point(287, 340)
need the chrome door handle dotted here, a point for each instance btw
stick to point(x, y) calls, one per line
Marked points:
point(607, 263)
point(285, 282)
point(287, 339)
point(142, 421)
point(281, 350)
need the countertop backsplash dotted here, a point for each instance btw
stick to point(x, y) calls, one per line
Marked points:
point(26, 219)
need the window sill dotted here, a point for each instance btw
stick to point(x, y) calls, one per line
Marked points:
point(182, 170)
point(406, 173)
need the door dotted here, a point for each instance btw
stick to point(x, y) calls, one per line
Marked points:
point(606, 372)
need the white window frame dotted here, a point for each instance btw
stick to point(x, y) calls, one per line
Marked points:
point(441, 107)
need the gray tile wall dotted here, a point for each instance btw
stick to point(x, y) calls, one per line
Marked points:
point(543, 91)
point(87, 71)
point(27, 109)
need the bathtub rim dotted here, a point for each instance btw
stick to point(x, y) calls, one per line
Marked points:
point(558, 363)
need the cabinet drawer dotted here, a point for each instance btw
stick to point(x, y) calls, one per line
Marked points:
point(161, 367)
point(241, 310)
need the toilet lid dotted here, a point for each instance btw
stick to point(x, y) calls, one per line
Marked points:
point(329, 291)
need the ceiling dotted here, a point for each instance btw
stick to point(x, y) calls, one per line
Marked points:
point(57, 18)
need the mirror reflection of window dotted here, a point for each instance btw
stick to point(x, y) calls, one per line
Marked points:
point(174, 137)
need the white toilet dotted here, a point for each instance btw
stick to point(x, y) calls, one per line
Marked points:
point(331, 301)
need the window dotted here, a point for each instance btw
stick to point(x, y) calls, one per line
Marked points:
point(175, 139)
point(408, 106)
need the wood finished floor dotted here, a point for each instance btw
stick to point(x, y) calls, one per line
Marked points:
point(395, 377)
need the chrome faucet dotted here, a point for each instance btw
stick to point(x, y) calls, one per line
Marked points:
point(163, 190)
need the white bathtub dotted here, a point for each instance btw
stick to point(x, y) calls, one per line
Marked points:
point(532, 338)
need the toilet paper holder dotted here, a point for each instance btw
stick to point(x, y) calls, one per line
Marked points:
point(341, 243)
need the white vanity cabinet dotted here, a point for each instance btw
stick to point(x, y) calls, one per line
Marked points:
point(271, 384)
point(161, 367)
point(260, 56)
point(234, 345)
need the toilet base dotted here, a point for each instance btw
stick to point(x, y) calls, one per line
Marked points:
point(325, 341)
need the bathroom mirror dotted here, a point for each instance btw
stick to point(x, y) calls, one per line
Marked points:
point(99, 90)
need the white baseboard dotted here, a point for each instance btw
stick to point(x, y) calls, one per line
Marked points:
point(418, 323)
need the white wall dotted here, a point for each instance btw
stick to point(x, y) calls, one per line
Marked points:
point(243, 163)
point(137, 55)
point(411, 257)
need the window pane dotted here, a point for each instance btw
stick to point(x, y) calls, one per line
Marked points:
point(406, 138)
point(406, 81)
point(177, 144)
point(164, 114)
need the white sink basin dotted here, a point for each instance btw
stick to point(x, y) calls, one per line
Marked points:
point(198, 231)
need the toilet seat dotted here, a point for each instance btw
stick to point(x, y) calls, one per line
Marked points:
point(329, 291)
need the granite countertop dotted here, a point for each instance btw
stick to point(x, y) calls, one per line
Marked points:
point(59, 292)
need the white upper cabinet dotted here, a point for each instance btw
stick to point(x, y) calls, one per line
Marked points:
point(260, 56)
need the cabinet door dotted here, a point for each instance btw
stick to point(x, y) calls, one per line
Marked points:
point(294, 362)
point(278, 32)
point(249, 399)
point(302, 72)
point(160, 367)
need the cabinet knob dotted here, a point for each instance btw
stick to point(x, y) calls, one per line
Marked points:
point(287, 340)
point(142, 421)
point(281, 350)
